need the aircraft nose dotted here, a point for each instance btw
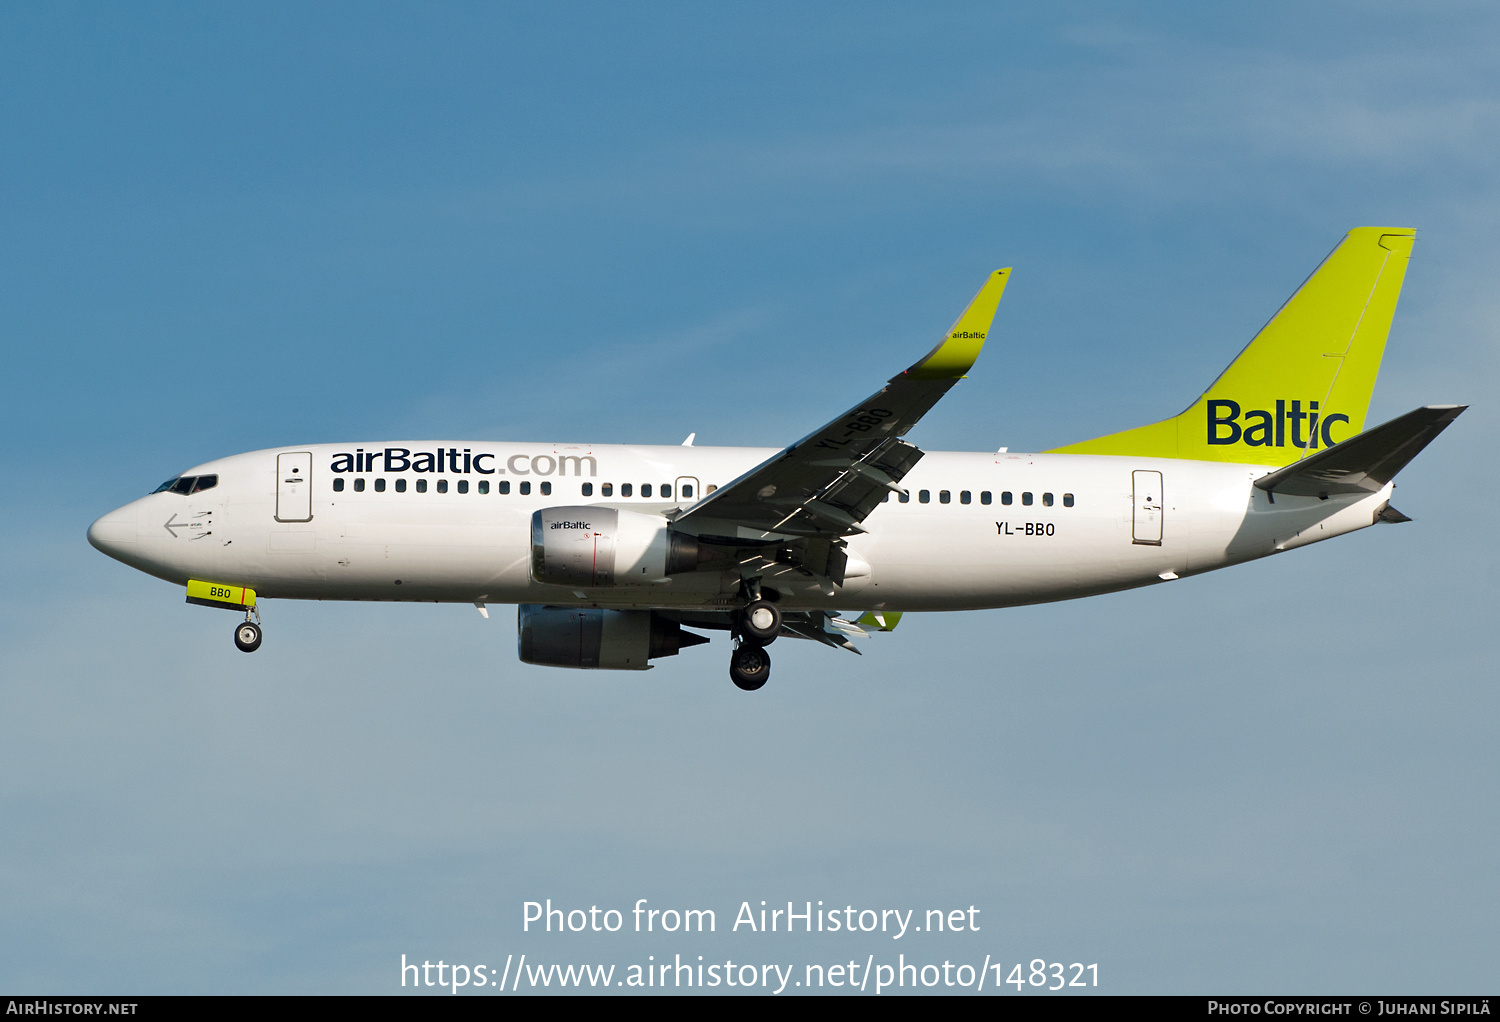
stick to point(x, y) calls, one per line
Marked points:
point(114, 534)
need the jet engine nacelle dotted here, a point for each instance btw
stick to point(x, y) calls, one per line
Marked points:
point(603, 546)
point(596, 639)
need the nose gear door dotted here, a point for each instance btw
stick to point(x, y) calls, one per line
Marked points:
point(294, 487)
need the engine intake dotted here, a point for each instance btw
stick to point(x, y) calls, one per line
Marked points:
point(604, 546)
point(594, 639)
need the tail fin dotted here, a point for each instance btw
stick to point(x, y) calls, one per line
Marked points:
point(1305, 381)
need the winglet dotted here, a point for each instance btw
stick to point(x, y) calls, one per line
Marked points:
point(880, 620)
point(957, 351)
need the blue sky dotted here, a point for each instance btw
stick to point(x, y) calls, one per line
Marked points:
point(242, 226)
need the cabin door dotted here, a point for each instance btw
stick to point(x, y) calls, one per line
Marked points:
point(294, 487)
point(1147, 495)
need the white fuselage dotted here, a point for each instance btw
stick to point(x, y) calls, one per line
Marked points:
point(1091, 526)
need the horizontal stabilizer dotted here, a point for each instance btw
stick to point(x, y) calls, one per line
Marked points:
point(1386, 513)
point(1366, 462)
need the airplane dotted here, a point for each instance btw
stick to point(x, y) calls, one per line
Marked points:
point(617, 555)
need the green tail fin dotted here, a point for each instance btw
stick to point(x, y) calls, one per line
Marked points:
point(1304, 382)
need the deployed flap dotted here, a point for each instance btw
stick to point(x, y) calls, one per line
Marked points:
point(1304, 382)
point(1365, 463)
point(828, 482)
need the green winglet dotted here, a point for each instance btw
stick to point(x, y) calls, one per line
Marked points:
point(956, 352)
point(880, 620)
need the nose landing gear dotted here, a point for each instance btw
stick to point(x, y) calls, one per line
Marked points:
point(247, 634)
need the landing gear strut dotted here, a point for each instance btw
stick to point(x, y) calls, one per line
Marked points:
point(247, 634)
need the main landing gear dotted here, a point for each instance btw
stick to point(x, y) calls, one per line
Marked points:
point(757, 626)
point(247, 633)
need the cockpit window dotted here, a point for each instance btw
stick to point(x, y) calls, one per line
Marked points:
point(188, 484)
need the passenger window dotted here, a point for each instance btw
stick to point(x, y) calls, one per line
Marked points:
point(687, 491)
point(965, 497)
point(359, 485)
point(666, 490)
point(463, 486)
point(588, 489)
point(887, 498)
point(421, 485)
point(503, 487)
point(984, 496)
point(338, 485)
point(1067, 500)
point(625, 490)
point(525, 489)
point(400, 485)
point(711, 487)
point(645, 489)
point(905, 496)
point(1005, 497)
point(484, 486)
point(925, 496)
point(442, 486)
point(1026, 498)
point(380, 484)
point(205, 483)
point(944, 497)
point(1046, 500)
point(546, 489)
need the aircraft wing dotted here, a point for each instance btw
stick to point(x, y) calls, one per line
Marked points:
point(824, 485)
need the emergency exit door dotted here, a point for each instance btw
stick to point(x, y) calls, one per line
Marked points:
point(294, 487)
point(1146, 527)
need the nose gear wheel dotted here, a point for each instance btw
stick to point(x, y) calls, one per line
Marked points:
point(247, 636)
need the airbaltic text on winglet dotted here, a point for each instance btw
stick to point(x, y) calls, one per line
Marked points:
point(1262, 428)
point(967, 335)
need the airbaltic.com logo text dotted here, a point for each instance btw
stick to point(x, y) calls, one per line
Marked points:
point(462, 462)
